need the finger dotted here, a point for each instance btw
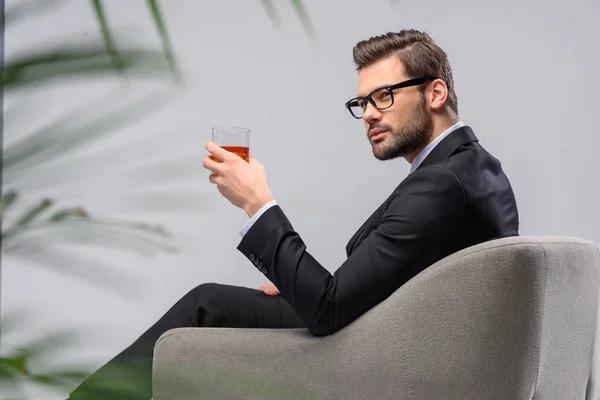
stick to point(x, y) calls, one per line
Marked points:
point(218, 151)
point(272, 291)
point(211, 164)
point(213, 178)
point(269, 290)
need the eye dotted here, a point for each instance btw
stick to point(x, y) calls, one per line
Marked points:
point(382, 95)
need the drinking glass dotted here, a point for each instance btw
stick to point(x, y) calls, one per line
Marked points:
point(233, 139)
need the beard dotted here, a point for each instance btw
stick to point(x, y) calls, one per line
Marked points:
point(405, 139)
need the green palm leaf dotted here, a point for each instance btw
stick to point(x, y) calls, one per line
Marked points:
point(83, 59)
point(300, 10)
point(71, 132)
point(271, 11)
point(304, 17)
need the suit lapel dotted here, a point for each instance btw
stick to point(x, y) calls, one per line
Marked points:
point(443, 150)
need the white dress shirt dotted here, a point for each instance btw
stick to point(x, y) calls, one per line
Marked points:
point(256, 216)
point(415, 164)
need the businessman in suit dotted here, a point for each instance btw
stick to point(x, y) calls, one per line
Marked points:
point(455, 196)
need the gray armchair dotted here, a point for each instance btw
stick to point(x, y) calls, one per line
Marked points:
point(513, 318)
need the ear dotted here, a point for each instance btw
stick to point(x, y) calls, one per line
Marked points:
point(438, 94)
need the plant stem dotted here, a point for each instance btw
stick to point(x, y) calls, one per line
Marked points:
point(304, 17)
point(164, 35)
point(109, 42)
point(271, 11)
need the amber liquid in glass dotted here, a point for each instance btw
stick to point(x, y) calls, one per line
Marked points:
point(241, 151)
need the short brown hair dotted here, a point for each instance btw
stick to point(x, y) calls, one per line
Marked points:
point(418, 53)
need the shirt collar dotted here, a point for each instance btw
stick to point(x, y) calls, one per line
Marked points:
point(425, 152)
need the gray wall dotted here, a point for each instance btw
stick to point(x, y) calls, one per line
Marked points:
point(526, 75)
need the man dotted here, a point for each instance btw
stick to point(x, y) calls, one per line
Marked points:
point(455, 196)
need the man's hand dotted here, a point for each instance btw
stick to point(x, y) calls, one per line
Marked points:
point(269, 290)
point(243, 183)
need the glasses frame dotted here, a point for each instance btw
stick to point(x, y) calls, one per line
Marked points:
point(390, 89)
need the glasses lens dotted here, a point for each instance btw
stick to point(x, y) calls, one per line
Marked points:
point(356, 108)
point(382, 98)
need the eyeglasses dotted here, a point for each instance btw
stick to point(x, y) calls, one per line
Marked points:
point(381, 98)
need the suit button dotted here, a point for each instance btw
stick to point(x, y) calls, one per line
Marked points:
point(252, 257)
point(263, 270)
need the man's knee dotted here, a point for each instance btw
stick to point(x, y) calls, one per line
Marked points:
point(209, 296)
point(206, 287)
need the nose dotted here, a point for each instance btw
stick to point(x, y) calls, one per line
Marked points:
point(371, 114)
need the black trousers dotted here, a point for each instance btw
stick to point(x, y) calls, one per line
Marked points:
point(129, 374)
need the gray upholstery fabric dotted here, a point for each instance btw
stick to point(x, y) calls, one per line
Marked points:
point(514, 318)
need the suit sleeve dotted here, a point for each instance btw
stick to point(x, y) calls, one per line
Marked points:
point(423, 222)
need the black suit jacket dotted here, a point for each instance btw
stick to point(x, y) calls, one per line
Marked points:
point(459, 196)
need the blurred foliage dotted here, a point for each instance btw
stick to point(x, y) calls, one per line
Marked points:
point(16, 373)
point(28, 71)
point(32, 152)
point(299, 8)
point(84, 59)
